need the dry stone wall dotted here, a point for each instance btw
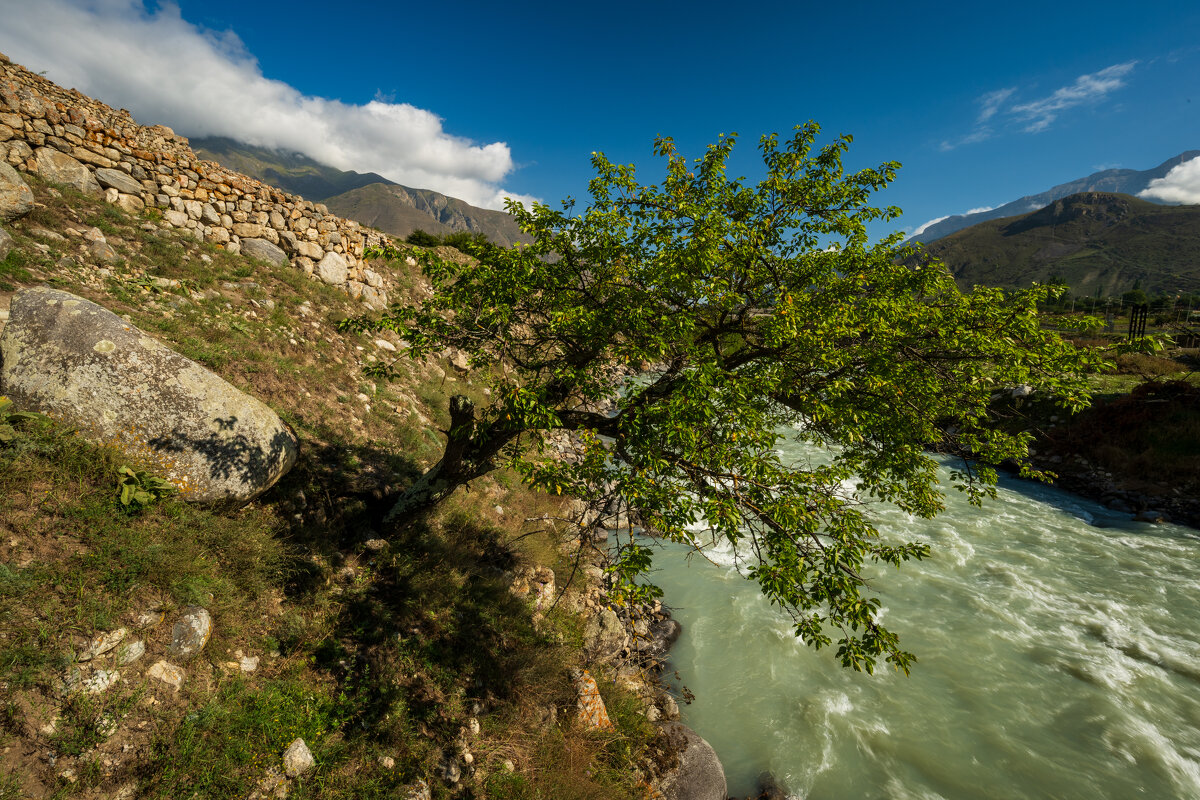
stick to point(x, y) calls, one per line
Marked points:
point(68, 138)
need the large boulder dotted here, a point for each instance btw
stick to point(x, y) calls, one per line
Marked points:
point(16, 198)
point(604, 635)
point(264, 251)
point(115, 179)
point(699, 775)
point(80, 363)
point(333, 269)
point(59, 167)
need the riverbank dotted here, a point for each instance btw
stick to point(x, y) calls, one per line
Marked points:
point(1136, 452)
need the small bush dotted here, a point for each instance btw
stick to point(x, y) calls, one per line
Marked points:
point(422, 238)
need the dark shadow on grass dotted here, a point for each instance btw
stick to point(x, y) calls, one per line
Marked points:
point(434, 630)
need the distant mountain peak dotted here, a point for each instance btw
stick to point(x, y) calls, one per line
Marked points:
point(367, 198)
point(1123, 181)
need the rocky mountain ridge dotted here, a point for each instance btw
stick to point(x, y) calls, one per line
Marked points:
point(367, 198)
point(1121, 181)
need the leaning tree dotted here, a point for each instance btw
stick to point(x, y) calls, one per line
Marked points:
point(753, 312)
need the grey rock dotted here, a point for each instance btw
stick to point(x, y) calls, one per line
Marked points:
point(191, 632)
point(247, 230)
point(769, 788)
point(6, 242)
point(176, 219)
point(80, 363)
point(128, 653)
point(59, 167)
point(376, 299)
point(297, 759)
point(660, 636)
point(699, 775)
point(101, 680)
point(333, 269)
point(451, 772)
point(115, 179)
point(103, 251)
point(16, 198)
point(604, 636)
point(130, 203)
point(264, 251)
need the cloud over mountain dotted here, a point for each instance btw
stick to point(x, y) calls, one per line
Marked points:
point(1180, 185)
point(166, 70)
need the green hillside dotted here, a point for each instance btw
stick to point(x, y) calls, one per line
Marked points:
point(1097, 242)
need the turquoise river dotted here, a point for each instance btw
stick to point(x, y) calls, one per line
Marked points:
point(1059, 657)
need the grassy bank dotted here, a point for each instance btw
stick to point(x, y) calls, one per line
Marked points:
point(386, 651)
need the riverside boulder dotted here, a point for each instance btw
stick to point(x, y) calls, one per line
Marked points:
point(82, 364)
point(699, 775)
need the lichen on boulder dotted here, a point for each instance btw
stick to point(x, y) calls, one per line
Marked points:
point(82, 364)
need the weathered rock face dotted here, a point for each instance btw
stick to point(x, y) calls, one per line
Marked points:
point(16, 198)
point(80, 363)
point(59, 167)
point(699, 775)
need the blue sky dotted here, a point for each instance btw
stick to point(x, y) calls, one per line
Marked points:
point(980, 103)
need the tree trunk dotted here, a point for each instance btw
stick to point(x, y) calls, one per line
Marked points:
point(468, 455)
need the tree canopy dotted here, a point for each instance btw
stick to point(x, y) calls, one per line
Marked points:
point(756, 311)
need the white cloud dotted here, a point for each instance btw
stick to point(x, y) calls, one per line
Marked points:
point(995, 110)
point(1180, 185)
point(204, 83)
point(980, 134)
point(1040, 114)
point(922, 228)
point(991, 103)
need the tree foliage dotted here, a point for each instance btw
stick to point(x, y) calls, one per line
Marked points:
point(756, 311)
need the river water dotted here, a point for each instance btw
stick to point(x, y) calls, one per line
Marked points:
point(1058, 651)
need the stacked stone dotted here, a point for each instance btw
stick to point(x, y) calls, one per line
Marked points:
point(69, 138)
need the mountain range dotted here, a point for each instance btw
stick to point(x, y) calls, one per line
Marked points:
point(1123, 181)
point(1099, 243)
point(365, 197)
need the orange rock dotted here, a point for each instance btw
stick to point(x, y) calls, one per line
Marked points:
point(592, 712)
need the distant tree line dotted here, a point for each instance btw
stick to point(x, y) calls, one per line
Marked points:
point(460, 240)
point(1166, 307)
